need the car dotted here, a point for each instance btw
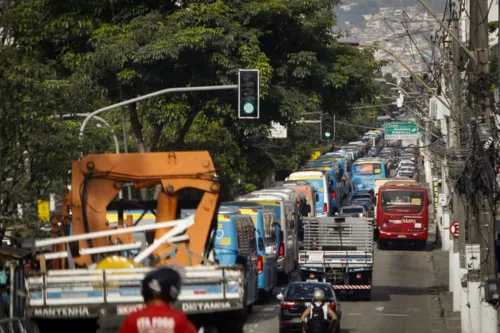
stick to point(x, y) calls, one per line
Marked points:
point(297, 297)
point(406, 163)
point(353, 211)
point(406, 175)
point(365, 192)
point(411, 150)
point(407, 157)
point(363, 195)
point(365, 204)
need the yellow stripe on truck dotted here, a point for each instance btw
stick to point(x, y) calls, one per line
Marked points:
point(306, 177)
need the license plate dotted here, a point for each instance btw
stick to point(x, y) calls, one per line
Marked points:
point(296, 320)
point(312, 280)
point(401, 236)
point(308, 304)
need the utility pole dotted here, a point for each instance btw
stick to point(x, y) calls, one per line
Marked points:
point(481, 264)
point(457, 266)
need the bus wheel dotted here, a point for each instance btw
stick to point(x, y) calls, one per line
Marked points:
point(421, 245)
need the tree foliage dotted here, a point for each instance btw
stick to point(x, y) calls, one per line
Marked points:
point(97, 53)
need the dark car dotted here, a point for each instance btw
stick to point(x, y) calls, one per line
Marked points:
point(296, 298)
point(364, 195)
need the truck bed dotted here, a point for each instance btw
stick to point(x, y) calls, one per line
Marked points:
point(344, 255)
point(86, 293)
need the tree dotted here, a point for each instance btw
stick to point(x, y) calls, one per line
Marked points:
point(110, 51)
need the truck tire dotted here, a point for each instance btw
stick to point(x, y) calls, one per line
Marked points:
point(381, 244)
point(231, 325)
point(109, 324)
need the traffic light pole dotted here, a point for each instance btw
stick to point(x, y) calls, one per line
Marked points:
point(148, 96)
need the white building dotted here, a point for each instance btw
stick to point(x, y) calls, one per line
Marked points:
point(464, 21)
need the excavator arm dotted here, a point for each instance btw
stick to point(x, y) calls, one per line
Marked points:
point(97, 180)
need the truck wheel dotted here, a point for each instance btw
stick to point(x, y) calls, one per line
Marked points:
point(109, 324)
point(366, 295)
point(381, 244)
point(231, 325)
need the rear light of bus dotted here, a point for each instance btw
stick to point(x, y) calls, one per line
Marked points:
point(334, 195)
point(325, 208)
point(260, 264)
point(282, 250)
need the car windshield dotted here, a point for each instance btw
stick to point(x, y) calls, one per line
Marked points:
point(361, 196)
point(352, 210)
point(306, 290)
point(406, 174)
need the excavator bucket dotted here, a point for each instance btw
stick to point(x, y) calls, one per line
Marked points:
point(97, 180)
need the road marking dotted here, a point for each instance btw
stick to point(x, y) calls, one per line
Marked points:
point(380, 308)
point(392, 315)
point(354, 314)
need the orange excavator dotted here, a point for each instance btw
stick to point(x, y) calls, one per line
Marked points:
point(87, 281)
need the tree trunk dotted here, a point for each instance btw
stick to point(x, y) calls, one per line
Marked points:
point(136, 126)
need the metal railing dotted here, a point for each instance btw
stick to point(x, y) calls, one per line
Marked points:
point(12, 325)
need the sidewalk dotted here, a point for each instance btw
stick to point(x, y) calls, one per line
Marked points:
point(446, 320)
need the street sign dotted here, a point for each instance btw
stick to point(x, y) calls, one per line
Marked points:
point(278, 131)
point(454, 229)
point(43, 210)
point(472, 256)
point(401, 131)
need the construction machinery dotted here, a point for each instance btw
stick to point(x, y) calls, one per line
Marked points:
point(91, 279)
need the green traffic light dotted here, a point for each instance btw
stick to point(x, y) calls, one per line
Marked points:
point(248, 108)
point(328, 134)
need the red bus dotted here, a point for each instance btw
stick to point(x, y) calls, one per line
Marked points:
point(402, 214)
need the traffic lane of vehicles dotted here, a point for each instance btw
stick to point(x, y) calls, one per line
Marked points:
point(402, 299)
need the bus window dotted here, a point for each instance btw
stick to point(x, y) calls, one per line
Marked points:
point(413, 200)
point(367, 169)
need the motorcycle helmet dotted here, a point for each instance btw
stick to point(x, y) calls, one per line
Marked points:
point(163, 283)
point(318, 295)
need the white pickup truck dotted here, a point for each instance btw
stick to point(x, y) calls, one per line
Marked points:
point(340, 251)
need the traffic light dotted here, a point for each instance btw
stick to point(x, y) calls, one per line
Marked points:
point(248, 93)
point(327, 127)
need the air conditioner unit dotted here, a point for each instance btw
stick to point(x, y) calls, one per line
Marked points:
point(433, 108)
point(437, 109)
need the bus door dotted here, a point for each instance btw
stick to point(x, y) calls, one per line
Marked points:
point(247, 255)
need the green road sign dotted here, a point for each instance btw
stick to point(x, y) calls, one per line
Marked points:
point(401, 131)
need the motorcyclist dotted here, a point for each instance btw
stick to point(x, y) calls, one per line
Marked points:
point(315, 317)
point(159, 288)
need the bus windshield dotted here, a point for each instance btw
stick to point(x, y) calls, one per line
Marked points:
point(403, 201)
point(367, 169)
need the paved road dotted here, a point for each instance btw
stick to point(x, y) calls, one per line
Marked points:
point(401, 299)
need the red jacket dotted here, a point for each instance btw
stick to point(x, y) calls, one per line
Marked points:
point(157, 318)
